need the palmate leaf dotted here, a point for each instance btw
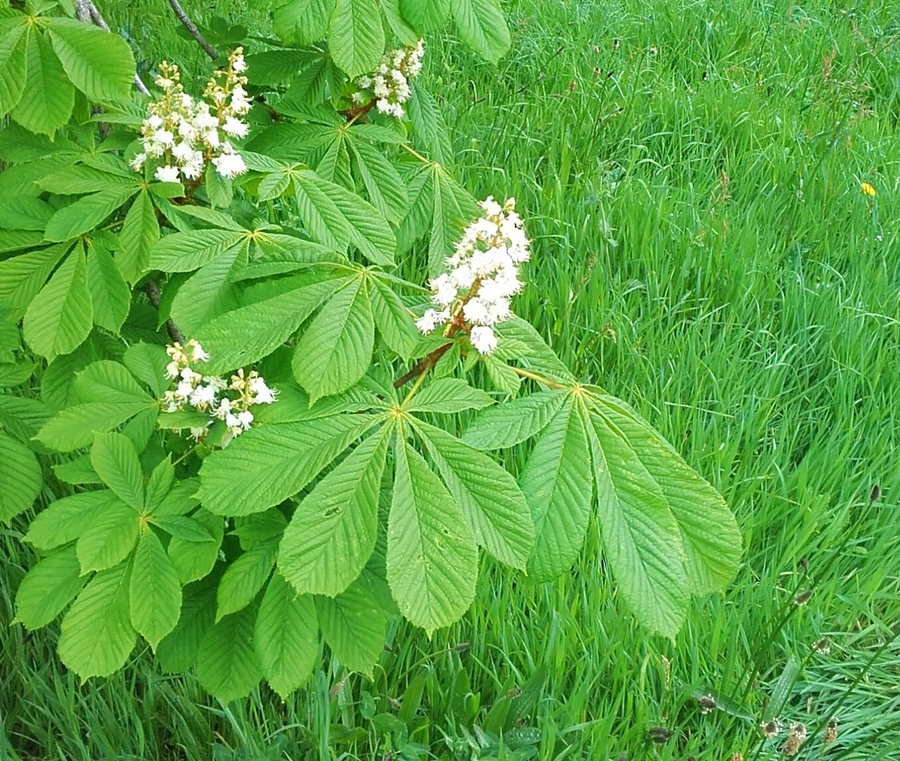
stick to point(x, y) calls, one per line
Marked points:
point(195, 560)
point(60, 317)
point(48, 588)
point(109, 537)
point(481, 25)
point(286, 636)
point(110, 294)
point(356, 36)
point(185, 252)
point(514, 422)
point(640, 534)
point(540, 357)
point(383, 183)
point(243, 579)
point(87, 213)
point(449, 395)
point(51, 96)
point(431, 553)
point(394, 320)
point(425, 15)
point(227, 664)
point(266, 465)
point(353, 626)
point(177, 652)
point(302, 22)
point(13, 40)
point(336, 348)
point(115, 460)
point(138, 238)
point(97, 636)
point(332, 533)
point(22, 277)
point(209, 292)
point(20, 474)
point(490, 499)
point(67, 519)
point(558, 485)
point(99, 63)
point(155, 593)
point(709, 533)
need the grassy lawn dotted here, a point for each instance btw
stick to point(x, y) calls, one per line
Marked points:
point(690, 173)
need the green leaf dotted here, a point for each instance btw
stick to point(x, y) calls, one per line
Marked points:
point(319, 212)
point(86, 213)
point(158, 485)
point(454, 207)
point(336, 349)
point(99, 63)
point(61, 315)
point(429, 129)
point(48, 588)
point(138, 238)
point(109, 538)
point(558, 485)
point(514, 422)
point(22, 417)
point(116, 462)
point(449, 395)
point(481, 26)
point(332, 533)
point(286, 637)
point(110, 294)
point(209, 292)
point(194, 560)
point(51, 96)
point(182, 527)
point(185, 252)
point(266, 465)
point(219, 189)
point(20, 474)
point(302, 22)
point(25, 213)
point(227, 664)
point(147, 363)
point(394, 320)
point(97, 636)
point(356, 36)
point(77, 472)
point(432, 560)
point(68, 518)
point(640, 534)
point(384, 185)
point(709, 533)
point(13, 72)
point(243, 579)
point(353, 626)
point(404, 32)
point(540, 357)
point(155, 592)
point(502, 376)
point(248, 334)
point(22, 277)
point(490, 499)
point(177, 652)
point(425, 15)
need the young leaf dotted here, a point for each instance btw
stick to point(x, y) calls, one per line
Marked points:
point(99, 63)
point(336, 349)
point(490, 499)
point(109, 538)
point(61, 315)
point(481, 26)
point(558, 486)
point(116, 462)
point(48, 588)
point(266, 465)
point(302, 22)
point(356, 36)
point(243, 579)
point(640, 535)
point(87, 213)
point(431, 556)
point(50, 93)
point(449, 395)
point(353, 626)
point(332, 534)
point(227, 665)
point(97, 636)
point(286, 637)
point(155, 592)
point(20, 474)
point(509, 424)
point(110, 294)
point(177, 652)
point(138, 238)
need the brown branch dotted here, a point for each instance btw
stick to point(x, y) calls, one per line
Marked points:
point(152, 291)
point(425, 364)
point(192, 28)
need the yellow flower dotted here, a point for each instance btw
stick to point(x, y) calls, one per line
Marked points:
point(867, 189)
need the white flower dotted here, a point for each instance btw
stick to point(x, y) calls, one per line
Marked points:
point(197, 433)
point(230, 164)
point(172, 370)
point(235, 127)
point(239, 64)
point(245, 418)
point(164, 137)
point(167, 174)
point(483, 339)
point(154, 122)
point(431, 319)
point(476, 311)
point(137, 163)
point(262, 393)
point(203, 397)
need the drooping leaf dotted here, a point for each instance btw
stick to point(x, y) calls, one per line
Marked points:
point(332, 533)
point(384, 185)
point(116, 462)
point(48, 588)
point(356, 36)
point(22, 277)
point(50, 94)
point(286, 636)
point(155, 592)
point(481, 25)
point(266, 465)
point(431, 554)
point(227, 664)
point(97, 636)
point(353, 626)
point(514, 422)
point(336, 348)
point(558, 485)
point(425, 15)
point(20, 474)
point(243, 579)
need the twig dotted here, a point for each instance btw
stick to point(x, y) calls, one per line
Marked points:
point(152, 291)
point(192, 28)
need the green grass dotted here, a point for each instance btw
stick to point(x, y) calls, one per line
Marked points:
point(703, 250)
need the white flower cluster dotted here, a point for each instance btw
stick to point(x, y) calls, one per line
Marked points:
point(389, 85)
point(185, 133)
point(210, 393)
point(483, 276)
